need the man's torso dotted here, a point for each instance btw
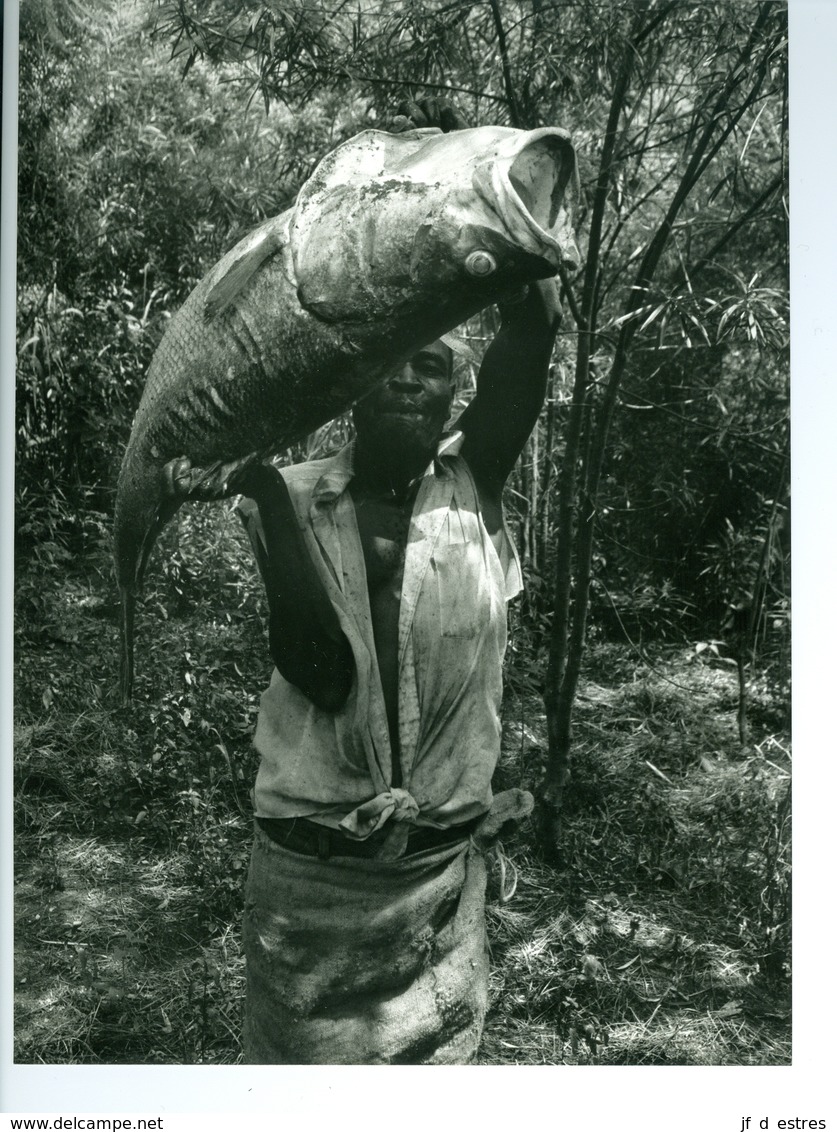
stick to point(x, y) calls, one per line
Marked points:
point(383, 524)
point(421, 584)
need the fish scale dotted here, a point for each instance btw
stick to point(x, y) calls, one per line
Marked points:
point(392, 242)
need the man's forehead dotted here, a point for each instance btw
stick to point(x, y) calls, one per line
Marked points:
point(438, 349)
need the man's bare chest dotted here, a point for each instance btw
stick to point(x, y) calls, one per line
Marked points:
point(383, 525)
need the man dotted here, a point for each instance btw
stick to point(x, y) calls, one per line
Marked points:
point(387, 569)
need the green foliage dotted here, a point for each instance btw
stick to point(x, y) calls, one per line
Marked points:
point(51, 76)
point(79, 379)
point(699, 451)
point(131, 185)
point(702, 820)
point(176, 773)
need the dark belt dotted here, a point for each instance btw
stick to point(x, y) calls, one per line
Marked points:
point(315, 840)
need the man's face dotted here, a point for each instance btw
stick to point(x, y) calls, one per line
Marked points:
point(412, 406)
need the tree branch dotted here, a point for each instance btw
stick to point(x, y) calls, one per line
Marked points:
point(745, 218)
point(511, 97)
point(565, 655)
point(558, 720)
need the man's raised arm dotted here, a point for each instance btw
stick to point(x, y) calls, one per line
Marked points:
point(511, 383)
point(306, 642)
point(511, 386)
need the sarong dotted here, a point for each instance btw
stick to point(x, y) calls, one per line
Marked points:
point(361, 961)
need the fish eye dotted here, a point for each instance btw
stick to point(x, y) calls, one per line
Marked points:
point(480, 263)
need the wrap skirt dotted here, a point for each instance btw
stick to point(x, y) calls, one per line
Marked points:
point(362, 961)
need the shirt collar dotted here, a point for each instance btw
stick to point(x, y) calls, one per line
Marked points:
point(337, 476)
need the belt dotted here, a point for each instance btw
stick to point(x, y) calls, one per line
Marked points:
point(315, 840)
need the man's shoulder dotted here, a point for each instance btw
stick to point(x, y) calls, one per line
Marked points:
point(488, 496)
point(310, 472)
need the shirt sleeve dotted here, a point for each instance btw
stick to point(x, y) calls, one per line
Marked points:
point(510, 562)
point(248, 511)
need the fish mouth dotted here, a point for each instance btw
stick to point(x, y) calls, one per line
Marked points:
point(531, 183)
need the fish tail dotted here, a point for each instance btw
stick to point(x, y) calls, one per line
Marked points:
point(126, 667)
point(136, 529)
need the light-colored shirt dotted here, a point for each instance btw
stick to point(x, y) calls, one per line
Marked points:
point(336, 768)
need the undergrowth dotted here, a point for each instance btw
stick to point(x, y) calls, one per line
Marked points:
point(662, 938)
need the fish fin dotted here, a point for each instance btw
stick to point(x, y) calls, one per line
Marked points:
point(236, 277)
point(128, 597)
point(166, 511)
point(126, 665)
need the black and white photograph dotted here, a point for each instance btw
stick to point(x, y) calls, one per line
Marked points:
point(402, 534)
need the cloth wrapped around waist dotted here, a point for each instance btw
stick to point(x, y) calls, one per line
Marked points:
point(359, 961)
point(356, 960)
point(399, 837)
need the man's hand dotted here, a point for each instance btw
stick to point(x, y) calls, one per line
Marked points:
point(536, 303)
point(307, 643)
point(428, 113)
point(182, 480)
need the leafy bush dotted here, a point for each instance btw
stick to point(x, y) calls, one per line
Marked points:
point(131, 185)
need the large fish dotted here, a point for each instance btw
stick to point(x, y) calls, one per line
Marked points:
point(393, 241)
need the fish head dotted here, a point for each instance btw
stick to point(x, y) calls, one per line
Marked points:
point(521, 185)
point(425, 228)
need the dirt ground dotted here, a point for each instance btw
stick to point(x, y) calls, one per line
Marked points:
point(662, 938)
